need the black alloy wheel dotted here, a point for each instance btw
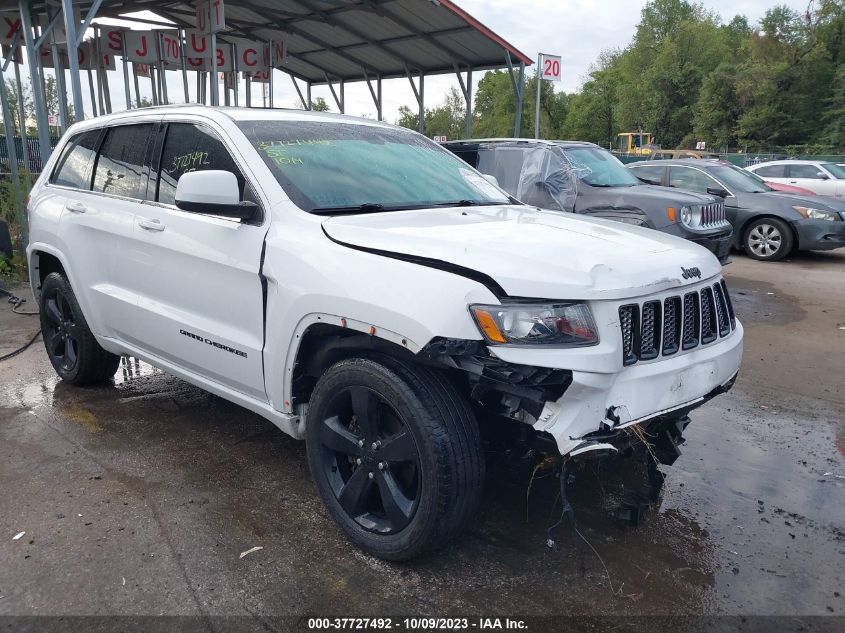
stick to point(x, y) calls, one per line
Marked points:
point(60, 331)
point(395, 452)
point(71, 347)
point(370, 460)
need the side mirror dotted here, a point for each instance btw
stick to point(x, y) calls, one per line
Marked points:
point(718, 192)
point(213, 192)
point(491, 179)
point(823, 176)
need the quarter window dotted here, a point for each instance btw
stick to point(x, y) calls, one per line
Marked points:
point(690, 179)
point(771, 171)
point(806, 171)
point(120, 164)
point(74, 166)
point(187, 148)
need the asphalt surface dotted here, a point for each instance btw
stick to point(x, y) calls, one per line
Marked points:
point(139, 498)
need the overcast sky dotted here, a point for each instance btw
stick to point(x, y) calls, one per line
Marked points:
point(578, 30)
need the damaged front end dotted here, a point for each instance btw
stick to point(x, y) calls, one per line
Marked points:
point(544, 412)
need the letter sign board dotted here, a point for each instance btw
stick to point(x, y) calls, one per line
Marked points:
point(210, 16)
point(197, 44)
point(111, 40)
point(170, 47)
point(550, 68)
point(141, 46)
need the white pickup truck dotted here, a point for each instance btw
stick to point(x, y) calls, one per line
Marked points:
point(367, 291)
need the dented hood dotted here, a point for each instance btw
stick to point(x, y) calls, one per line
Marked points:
point(534, 253)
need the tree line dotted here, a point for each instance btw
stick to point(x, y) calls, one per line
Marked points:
point(687, 76)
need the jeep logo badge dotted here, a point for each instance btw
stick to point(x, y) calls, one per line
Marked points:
point(689, 273)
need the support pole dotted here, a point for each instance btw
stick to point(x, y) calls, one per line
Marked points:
point(13, 156)
point(380, 100)
point(153, 81)
point(200, 94)
point(338, 98)
point(93, 92)
point(342, 97)
point(518, 91)
point(215, 95)
point(61, 91)
point(44, 147)
point(236, 83)
point(270, 85)
point(102, 77)
point(309, 105)
point(419, 94)
point(248, 83)
point(299, 92)
point(137, 87)
point(184, 65)
point(73, 60)
point(125, 63)
point(162, 73)
point(537, 101)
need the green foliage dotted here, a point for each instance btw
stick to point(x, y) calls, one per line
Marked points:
point(448, 119)
point(319, 105)
point(687, 76)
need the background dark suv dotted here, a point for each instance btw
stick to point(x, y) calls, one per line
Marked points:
point(584, 178)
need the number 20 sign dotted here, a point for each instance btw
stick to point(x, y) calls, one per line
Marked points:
point(550, 67)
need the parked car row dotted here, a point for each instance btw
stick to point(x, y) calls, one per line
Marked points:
point(586, 179)
point(708, 201)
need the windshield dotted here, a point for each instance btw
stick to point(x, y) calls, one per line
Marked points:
point(326, 166)
point(599, 168)
point(737, 179)
point(837, 171)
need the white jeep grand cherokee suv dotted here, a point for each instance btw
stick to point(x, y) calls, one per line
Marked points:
point(367, 291)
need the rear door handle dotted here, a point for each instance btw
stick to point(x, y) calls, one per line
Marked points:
point(151, 225)
point(75, 206)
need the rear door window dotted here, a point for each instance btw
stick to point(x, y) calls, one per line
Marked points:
point(690, 179)
point(805, 171)
point(771, 171)
point(189, 147)
point(120, 163)
point(74, 167)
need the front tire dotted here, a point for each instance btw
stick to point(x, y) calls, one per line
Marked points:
point(71, 347)
point(395, 453)
point(768, 239)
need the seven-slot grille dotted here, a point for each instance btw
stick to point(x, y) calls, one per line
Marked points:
point(681, 322)
point(713, 215)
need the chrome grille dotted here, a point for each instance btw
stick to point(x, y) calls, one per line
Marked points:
point(676, 323)
point(713, 215)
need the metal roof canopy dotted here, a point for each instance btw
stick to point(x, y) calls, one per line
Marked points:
point(327, 42)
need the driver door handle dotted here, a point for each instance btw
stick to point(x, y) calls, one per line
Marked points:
point(151, 225)
point(75, 206)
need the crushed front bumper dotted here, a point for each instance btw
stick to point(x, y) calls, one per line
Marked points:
point(613, 401)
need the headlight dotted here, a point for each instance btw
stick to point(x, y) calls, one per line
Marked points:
point(809, 213)
point(691, 216)
point(562, 325)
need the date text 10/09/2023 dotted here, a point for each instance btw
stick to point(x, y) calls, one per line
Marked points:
point(417, 624)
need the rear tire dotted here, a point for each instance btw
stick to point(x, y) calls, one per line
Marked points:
point(768, 239)
point(396, 455)
point(71, 347)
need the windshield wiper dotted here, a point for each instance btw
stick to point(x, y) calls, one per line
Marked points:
point(471, 203)
point(367, 207)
